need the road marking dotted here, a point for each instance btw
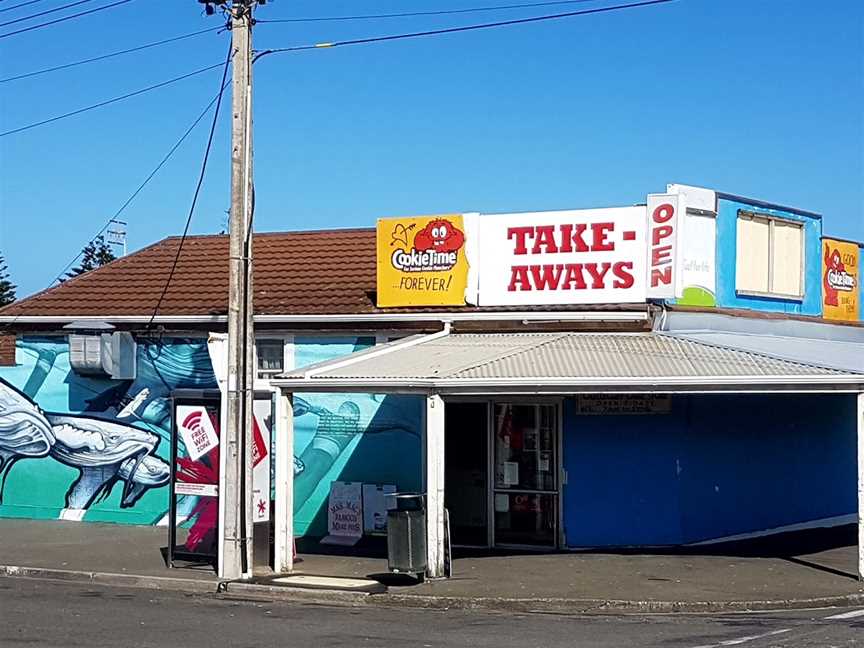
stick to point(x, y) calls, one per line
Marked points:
point(846, 615)
point(742, 640)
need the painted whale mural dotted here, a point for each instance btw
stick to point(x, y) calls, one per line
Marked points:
point(104, 452)
point(82, 447)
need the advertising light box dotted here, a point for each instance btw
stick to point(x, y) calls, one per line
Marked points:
point(586, 256)
point(422, 261)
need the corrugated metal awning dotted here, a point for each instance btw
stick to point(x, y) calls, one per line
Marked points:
point(833, 354)
point(564, 363)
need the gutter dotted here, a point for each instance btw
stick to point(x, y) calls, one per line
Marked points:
point(453, 316)
point(669, 385)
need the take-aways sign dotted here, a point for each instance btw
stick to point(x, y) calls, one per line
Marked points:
point(585, 256)
point(422, 261)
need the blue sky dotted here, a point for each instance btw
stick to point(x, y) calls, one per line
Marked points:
point(756, 97)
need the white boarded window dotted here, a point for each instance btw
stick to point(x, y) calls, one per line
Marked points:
point(769, 258)
point(786, 258)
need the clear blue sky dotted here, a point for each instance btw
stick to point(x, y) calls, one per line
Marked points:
point(756, 97)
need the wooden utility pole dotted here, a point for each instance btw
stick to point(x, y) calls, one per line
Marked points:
point(236, 532)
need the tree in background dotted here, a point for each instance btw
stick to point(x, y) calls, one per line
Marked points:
point(7, 288)
point(94, 255)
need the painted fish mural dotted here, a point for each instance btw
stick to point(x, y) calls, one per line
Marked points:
point(79, 447)
point(103, 452)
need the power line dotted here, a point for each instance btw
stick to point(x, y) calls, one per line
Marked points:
point(453, 30)
point(410, 14)
point(45, 13)
point(109, 55)
point(146, 181)
point(18, 6)
point(110, 101)
point(65, 18)
point(222, 86)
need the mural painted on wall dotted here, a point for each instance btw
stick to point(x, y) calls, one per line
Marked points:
point(77, 447)
point(349, 437)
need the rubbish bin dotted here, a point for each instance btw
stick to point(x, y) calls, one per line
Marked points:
point(406, 535)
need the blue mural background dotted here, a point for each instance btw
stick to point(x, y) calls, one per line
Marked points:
point(109, 460)
point(349, 437)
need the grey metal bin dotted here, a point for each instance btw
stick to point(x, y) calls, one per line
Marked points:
point(406, 535)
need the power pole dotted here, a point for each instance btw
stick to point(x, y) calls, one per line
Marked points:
point(236, 533)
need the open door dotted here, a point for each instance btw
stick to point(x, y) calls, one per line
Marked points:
point(466, 459)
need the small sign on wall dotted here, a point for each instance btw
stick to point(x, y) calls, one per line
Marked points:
point(344, 513)
point(623, 404)
point(260, 464)
point(197, 431)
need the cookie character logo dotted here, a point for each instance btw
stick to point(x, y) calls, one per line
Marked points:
point(439, 235)
point(436, 247)
point(836, 278)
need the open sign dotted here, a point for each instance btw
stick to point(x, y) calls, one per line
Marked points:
point(662, 234)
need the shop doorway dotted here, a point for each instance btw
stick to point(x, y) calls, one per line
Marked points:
point(525, 494)
point(466, 477)
point(502, 474)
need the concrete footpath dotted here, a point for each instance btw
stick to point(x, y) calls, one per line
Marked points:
point(815, 572)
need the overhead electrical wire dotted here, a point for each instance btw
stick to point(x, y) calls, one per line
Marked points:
point(110, 101)
point(146, 181)
point(18, 6)
point(65, 18)
point(222, 86)
point(412, 14)
point(46, 12)
point(102, 57)
point(464, 28)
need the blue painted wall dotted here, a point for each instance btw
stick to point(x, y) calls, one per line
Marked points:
point(727, 217)
point(68, 442)
point(715, 466)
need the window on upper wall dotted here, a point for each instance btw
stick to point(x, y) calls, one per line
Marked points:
point(271, 357)
point(770, 256)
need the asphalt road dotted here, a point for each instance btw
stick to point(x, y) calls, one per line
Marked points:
point(45, 613)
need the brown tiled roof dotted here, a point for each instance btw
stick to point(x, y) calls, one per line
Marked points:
point(321, 272)
point(318, 272)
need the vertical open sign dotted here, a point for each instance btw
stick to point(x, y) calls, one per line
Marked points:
point(663, 225)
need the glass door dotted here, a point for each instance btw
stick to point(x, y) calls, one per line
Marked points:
point(525, 489)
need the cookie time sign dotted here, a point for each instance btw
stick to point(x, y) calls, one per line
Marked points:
point(586, 256)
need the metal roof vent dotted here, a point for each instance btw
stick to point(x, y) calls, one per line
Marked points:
point(96, 349)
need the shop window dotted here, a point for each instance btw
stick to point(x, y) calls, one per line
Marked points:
point(271, 357)
point(770, 256)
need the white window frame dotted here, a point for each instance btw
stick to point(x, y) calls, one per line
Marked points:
point(771, 223)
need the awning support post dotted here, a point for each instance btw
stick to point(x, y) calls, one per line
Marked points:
point(434, 486)
point(283, 551)
point(860, 419)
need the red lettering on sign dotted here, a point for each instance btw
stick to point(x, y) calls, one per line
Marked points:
point(661, 255)
point(545, 238)
point(546, 276)
point(623, 274)
point(519, 279)
point(519, 233)
point(597, 274)
point(662, 276)
point(574, 277)
point(600, 241)
point(663, 213)
point(660, 258)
